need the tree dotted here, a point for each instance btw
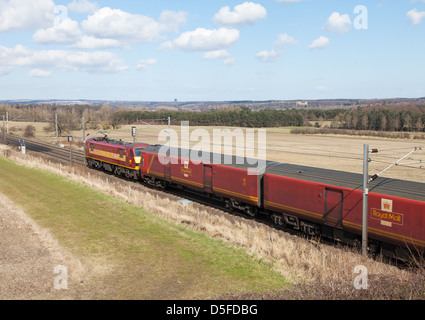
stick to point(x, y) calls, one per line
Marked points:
point(365, 122)
point(419, 124)
point(383, 123)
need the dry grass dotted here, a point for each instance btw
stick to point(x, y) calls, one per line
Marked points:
point(317, 270)
point(29, 255)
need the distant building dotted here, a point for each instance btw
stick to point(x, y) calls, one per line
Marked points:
point(302, 103)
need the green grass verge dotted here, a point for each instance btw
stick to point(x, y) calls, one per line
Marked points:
point(141, 256)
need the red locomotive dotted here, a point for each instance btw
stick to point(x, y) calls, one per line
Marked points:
point(315, 201)
point(115, 156)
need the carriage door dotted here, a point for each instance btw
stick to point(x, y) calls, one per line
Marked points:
point(208, 176)
point(333, 207)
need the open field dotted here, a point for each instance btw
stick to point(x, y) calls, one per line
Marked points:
point(166, 251)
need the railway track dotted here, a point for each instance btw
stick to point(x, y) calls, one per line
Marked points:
point(64, 154)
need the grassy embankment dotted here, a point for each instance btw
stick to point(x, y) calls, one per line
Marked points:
point(131, 253)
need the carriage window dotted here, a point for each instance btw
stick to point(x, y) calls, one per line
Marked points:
point(131, 153)
point(121, 153)
point(143, 161)
point(91, 147)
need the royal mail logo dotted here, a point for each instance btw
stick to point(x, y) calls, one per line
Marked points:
point(387, 205)
point(387, 218)
point(186, 170)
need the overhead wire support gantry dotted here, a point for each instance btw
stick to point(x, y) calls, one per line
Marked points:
point(397, 163)
point(367, 180)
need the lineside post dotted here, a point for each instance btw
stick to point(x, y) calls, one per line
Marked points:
point(4, 132)
point(365, 199)
point(70, 138)
point(169, 133)
point(84, 130)
point(56, 127)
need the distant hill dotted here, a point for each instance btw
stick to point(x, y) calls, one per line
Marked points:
point(212, 105)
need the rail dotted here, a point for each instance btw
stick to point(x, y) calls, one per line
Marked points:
point(62, 153)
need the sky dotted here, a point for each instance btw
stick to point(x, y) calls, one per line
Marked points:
point(221, 50)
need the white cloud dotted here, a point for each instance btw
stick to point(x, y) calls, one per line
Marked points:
point(273, 55)
point(168, 45)
point(172, 21)
point(92, 62)
point(108, 28)
point(415, 16)
point(89, 42)
point(284, 39)
point(83, 6)
point(65, 32)
point(38, 73)
point(228, 60)
point(204, 39)
point(319, 43)
point(338, 23)
point(243, 14)
point(26, 14)
point(216, 54)
point(129, 28)
point(116, 24)
point(268, 56)
point(143, 64)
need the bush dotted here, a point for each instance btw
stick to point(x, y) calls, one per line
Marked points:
point(29, 131)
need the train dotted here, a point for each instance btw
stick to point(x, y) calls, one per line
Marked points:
point(314, 201)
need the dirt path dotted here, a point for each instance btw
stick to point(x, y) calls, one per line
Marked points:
point(28, 258)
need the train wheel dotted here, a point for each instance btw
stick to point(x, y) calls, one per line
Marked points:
point(251, 211)
point(89, 164)
point(229, 206)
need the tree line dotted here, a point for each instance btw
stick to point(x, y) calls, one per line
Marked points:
point(377, 118)
point(362, 118)
point(69, 117)
point(243, 117)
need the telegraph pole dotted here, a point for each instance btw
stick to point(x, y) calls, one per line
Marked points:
point(4, 132)
point(169, 132)
point(70, 138)
point(367, 180)
point(84, 131)
point(365, 199)
point(56, 127)
point(7, 122)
